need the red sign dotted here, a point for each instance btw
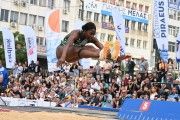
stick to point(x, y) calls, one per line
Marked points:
point(145, 106)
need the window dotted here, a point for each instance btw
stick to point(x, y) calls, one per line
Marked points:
point(65, 26)
point(171, 46)
point(51, 4)
point(144, 44)
point(103, 19)
point(14, 16)
point(178, 18)
point(4, 15)
point(88, 15)
point(140, 7)
point(177, 31)
point(134, 6)
point(110, 19)
point(170, 29)
point(67, 5)
point(112, 2)
point(145, 27)
point(110, 37)
point(127, 23)
point(128, 4)
point(170, 13)
point(146, 9)
point(23, 19)
point(32, 19)
point(138, 43)
point(80, 14)
point(121, 2)
point(40, 41)
point(42, 3)
point(139, 26)
point(96, 17)
point(34, 2)
point(41, 21)
point(175, 15)
point(126, 41)
point(174, 31)
point(133, 24)
point(132, 42)
point(102, 37)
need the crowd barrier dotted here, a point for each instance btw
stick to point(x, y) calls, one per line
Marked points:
point(98, 108)
point(25, 102)
point(149, 110)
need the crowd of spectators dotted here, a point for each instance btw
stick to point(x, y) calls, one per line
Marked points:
point(101, 86)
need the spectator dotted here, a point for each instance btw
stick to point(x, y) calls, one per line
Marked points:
point(143, 68)
point(130, 67)
point(37, 68)
point(31, 67)
point(3, 77)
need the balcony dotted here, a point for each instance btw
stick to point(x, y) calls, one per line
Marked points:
point(107, 25)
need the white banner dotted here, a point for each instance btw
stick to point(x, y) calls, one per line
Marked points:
point(31, 45)
point(119, 24)
point(178, 48)
point(9, 47)
point(106, 9)
point(161, 27)
point(53, 38)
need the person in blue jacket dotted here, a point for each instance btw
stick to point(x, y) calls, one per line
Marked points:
point(3, 77)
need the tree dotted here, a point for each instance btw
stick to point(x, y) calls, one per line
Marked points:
point(21, 55)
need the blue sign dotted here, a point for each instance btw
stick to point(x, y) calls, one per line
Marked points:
point(149, 110)
point(131, 15)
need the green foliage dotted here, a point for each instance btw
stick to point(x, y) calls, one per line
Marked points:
point(21, 55)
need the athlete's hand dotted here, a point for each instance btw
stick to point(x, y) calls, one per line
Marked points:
point(60, 61)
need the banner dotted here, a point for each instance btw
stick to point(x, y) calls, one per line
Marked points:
point(119, 25)
point(106, 9)
point(31, 45)
point(53, 38)
point(161, 27)
point(9, 47)
point(178, 48)
point(139, 109)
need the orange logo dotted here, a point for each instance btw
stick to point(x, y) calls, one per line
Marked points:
point(54, 21)
point(145, 106)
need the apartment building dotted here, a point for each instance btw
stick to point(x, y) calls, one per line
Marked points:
point(138, 24)
point(138, 20)
point(174, 25)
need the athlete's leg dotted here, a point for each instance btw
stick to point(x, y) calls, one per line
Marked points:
point(89, 52)
point(92, 52)
point(72, 53)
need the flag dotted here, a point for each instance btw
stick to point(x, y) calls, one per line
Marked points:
point(119, 25)
point(31, 45)
point(53, 38)
point(160, 27)
point(9, 47)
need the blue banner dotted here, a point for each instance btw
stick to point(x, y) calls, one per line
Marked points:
point(149, 110)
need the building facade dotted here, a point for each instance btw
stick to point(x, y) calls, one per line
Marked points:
point(174, 25)
point(138, 21)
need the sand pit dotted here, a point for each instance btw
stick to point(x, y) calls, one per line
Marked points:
point(13, 115)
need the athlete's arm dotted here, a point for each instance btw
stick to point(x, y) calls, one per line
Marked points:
point(73, 36)
point(97, 43)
